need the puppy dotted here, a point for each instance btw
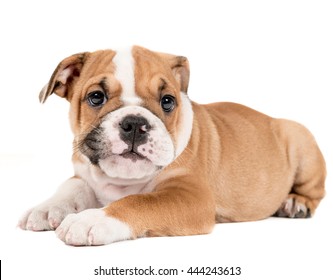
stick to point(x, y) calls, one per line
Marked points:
point(149, 162)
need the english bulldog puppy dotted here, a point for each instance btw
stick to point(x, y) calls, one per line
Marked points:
point(150, 162)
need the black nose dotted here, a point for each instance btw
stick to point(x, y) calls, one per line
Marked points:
point(133, 129)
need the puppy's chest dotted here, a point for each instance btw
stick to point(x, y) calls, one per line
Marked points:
point(107, 189)
point(107, 193)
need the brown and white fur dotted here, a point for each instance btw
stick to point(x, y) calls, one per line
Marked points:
point(149, 162)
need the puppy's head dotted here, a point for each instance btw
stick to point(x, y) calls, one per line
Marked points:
point(129, 110)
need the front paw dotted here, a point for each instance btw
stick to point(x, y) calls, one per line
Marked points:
point(92, 227)
point(47, 216)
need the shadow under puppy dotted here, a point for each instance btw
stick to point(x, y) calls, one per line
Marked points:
point(149, 162)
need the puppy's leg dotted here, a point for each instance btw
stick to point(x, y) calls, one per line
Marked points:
point(72, 196)
point(309, 183)
point(167, 212)
point(303, 199)
point(295, 206)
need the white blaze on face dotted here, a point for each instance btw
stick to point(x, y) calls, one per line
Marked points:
point(124, 73)
point(158, 150)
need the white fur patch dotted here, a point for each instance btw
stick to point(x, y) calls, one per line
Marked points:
point(112, 132)
point(108, 189)
point(125, 75)
point(186, 123)
point(92, 227)
point(72, 196)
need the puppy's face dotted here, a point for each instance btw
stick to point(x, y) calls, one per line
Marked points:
point(129, 110)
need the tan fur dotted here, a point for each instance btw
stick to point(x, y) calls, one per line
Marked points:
point(242, 171)
point(239, 165)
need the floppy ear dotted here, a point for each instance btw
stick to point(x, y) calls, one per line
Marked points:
point(180, 68)
point(63, 76)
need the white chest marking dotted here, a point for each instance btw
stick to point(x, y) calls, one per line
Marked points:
point(125, 75)
point(108, 189)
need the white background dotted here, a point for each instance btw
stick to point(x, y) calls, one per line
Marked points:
point(274, 56)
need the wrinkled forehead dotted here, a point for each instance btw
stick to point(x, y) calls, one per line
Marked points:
point(137, 70)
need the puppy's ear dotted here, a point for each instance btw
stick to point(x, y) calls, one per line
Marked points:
point(63, 76)
point(180, 68)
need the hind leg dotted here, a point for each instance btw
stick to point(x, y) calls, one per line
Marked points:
point(295, 206)
point(304, 198)
point(308, 187)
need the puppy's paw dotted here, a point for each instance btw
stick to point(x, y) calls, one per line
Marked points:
point(293, 207)
point(47, 216)
point(92, 227)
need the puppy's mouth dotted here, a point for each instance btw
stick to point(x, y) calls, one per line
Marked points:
point(133, 155)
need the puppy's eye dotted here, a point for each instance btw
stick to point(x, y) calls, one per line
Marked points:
point(96, 98)
point(168, 103)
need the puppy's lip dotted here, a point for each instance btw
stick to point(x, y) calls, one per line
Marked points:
point(133, 155)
